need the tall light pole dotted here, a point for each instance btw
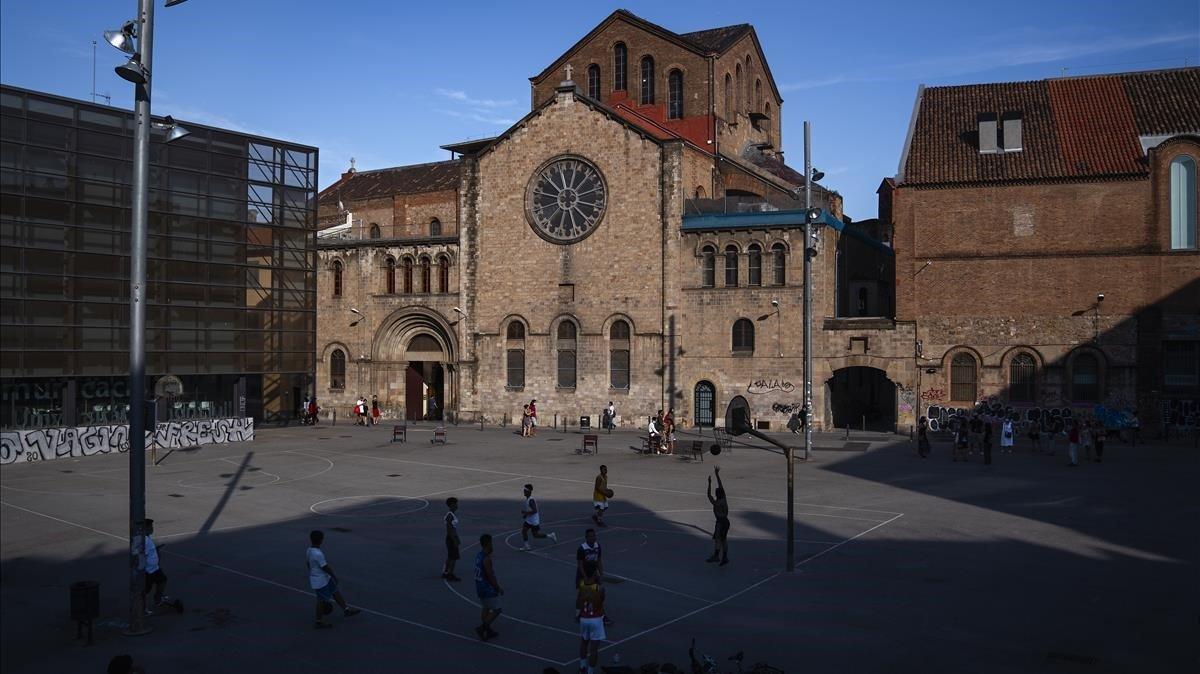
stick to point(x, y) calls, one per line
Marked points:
point(808, 231)
point(136, 37)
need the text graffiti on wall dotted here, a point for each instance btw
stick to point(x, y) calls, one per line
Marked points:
point(930, 395)
point(58, 443)
point(907, 398)
point(783, 408)
point(761, 386)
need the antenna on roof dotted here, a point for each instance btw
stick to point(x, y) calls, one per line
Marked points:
point(106, 97)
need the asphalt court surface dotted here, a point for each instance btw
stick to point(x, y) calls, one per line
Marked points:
point(901, 564)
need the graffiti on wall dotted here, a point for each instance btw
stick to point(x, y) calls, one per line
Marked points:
point(57, 443)
point(906, 398)
point(787, 408)
point(761, 386)
point(932, 395)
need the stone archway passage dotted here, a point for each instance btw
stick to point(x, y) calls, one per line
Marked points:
point(414, 354)
point(861, 396)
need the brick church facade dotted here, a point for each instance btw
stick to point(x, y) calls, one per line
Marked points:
point(646, 279)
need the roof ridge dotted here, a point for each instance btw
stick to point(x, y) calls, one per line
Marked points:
point(405, 166)
point(705, 30)
point(1126, 73)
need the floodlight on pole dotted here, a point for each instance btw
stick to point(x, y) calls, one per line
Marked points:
point(817, 175)
point(124, 37)
point(133, 71)
point(174, 129)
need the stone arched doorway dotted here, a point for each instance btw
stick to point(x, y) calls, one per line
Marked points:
point(414, 356)
point(861, 396)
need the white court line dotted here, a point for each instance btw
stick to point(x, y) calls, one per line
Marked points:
point(268, 581)
point(630, 486)
point(747, 589)
point(515, 619)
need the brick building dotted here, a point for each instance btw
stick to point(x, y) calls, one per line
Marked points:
point(1046, 245)
point(636, 238)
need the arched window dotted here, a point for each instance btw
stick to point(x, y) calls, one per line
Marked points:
point(743, 336)
point(675, 95)
point(708, 267)
point(618, 355)
point(731, 266)
point(737, 88)
point(1183, 203)
point(779, 264)
point(391, 276)
point(758, 96)
point(647, 80)
point(443, 274)
point(754, 264)
point(408, 275)
point(425, 274)
point(337, 369)
point(566, 354)
point(1085, 378)
point(593, 75)
point(435, 227)
point(1021, 372)
point(337, 278)
point(700, 193)
point(770, 125)
point(619, 61)
point(729, 99)
point(375, 230)
point(515, 354)
point(749, 76)
point(963, 381)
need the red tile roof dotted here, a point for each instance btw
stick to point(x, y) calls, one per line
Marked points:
point(1071, 127)
point(412, 179)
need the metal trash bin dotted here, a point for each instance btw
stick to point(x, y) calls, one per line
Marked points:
point(85, 606)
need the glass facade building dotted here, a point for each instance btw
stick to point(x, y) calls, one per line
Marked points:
point(231, 316)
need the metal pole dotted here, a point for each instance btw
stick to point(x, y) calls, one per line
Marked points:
point(137, 324)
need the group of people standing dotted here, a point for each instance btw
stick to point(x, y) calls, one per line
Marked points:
point(364, 415)
point(529, 419)
point(661, 430)
point(976, 435)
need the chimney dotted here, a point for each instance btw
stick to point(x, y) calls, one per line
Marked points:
point(1010, 139)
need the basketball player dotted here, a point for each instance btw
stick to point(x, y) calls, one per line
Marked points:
point(532, 520)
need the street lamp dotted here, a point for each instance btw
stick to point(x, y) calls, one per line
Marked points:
point(136, 37)
point(811, 215)
point(778, 326)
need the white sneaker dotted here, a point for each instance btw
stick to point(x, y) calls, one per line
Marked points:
point(553, 536)
point(525, 548)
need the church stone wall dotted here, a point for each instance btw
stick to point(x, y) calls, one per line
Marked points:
point(615, 272)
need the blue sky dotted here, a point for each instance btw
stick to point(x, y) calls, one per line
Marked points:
point(388, 82)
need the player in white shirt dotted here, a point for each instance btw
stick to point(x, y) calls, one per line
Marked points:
point(532, 520)
point(452, 540)
point(323, 582)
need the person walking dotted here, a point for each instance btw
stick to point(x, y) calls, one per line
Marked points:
point(313, 411)
point(610, 416)
point(1006, 436)
point(669, 430)
point(986, 443)
point(1073, 444)
point(452, 540)
point(600, 495)
point(720, 508)
point(589, 601)
point(375, 413)
point(432, 406)
point(923, 437)
point(526, 421)
point(532, 520)
point(533, 420)
point(324, 582)
point(488, 589)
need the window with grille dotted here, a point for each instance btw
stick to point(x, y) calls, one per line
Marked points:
point(963, 378)
point(337, 369)
point(731, 266)
point(754, 265)
point(618, 355)
point(1021, 372)
point(1085, 378)
point(619, 60)
point(675, 95)
point(593, 75)
point(743, 336)
point(1181, 363)
point(708, 267)
point(647, 80)
point(566, 354)
point(515, 355)
point(337, 278)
